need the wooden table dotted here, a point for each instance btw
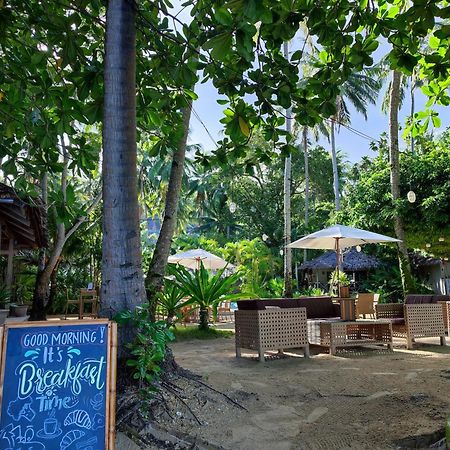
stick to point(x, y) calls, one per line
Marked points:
point(338, 333)
point(348, 307)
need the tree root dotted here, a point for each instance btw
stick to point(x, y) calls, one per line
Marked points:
point(221, 393)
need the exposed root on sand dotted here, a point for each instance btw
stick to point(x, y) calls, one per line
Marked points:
point(168, 414)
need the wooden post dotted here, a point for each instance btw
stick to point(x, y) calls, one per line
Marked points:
point(9, 270)
point(113, 382)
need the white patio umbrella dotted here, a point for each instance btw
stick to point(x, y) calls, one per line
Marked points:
point(338, 237)
point(193, 258)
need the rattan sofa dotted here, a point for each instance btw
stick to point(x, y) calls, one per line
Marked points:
point(271, 329)
point(280, 323)
point(420, 316)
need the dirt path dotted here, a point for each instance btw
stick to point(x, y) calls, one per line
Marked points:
point(352, 401)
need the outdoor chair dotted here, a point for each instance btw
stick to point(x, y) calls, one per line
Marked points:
point(413, 320)
point(365, 304)
point(224, 312)
point(189, 315)
point(86, 297)
point(272, 328)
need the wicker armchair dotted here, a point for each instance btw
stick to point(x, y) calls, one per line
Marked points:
point(411, 321)
point(365, 303)
point(271, 329)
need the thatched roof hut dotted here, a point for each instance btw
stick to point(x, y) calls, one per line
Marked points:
point(22, 226)
point(420, 260)
point(353, 261)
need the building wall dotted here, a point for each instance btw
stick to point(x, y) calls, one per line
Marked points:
point(439, 278)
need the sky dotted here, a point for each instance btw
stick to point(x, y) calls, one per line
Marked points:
point(208, 114)
point(205, 127)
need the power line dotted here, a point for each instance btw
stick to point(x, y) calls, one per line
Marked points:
point(357, 132)
point(197, 116)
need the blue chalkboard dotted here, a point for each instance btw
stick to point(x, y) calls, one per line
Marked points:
point(55, 386)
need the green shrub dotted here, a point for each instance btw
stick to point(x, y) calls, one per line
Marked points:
point(148, 350)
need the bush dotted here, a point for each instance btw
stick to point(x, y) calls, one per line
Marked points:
point(149, 347)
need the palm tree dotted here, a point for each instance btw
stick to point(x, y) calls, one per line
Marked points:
point(157, 268)
point(287, 203)
point(360, 89)
point(204, 289)
point(410, 83)
point(122, 278)
point(394, 104)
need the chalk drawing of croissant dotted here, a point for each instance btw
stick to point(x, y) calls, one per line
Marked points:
point(79, 417)
point(70, 437)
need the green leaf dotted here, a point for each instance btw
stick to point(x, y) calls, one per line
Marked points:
point(436, 121)
point(223, 16)
point(220, 46)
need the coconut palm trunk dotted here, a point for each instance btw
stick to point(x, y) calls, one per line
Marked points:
point(287, 205)
point(306, 158)
point(158, 264)
point(337, 198)
point(122, 279)
point(412, 111)
point(394, 101)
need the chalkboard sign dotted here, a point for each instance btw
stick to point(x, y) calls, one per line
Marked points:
point(57, 386)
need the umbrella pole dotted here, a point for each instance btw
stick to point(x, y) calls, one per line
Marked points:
point(338, 267)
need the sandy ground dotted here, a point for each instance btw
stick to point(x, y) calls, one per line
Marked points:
point(366, 399)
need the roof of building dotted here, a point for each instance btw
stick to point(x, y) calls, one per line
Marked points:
point(23, 218)
point(354, 261)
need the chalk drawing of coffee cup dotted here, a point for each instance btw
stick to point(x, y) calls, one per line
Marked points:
point(51, 429)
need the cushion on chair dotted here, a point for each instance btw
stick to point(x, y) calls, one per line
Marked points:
point(316, 307)
point(319, 307)
point(397, 321)
point(419, 299)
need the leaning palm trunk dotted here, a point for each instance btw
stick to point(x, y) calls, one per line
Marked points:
point(122, 279)
point(287, 205)
point(158, 264)
point(337, 200)
point(394, 101)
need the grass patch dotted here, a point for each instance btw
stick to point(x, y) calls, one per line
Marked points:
point(187, 333)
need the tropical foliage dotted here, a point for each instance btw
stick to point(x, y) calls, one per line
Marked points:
point(205, 290)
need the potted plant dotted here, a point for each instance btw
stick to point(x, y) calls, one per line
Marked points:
point(4, 299)
point(19, 308)
point(340, 278)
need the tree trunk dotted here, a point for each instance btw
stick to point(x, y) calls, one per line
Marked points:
point(287, 205)
point(203, 319)
point(40, 292)
point(53, 289)
point(305, 154)
point(158, 264)
point(412, 111)
point(394, 101)
point(337, 198)
point(122, 278)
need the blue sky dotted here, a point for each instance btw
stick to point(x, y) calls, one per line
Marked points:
point(205, 120)
point(354, 146)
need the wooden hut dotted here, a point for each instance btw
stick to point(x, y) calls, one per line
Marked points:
point(435, 272)
point(356, 265)
point(21, 227)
